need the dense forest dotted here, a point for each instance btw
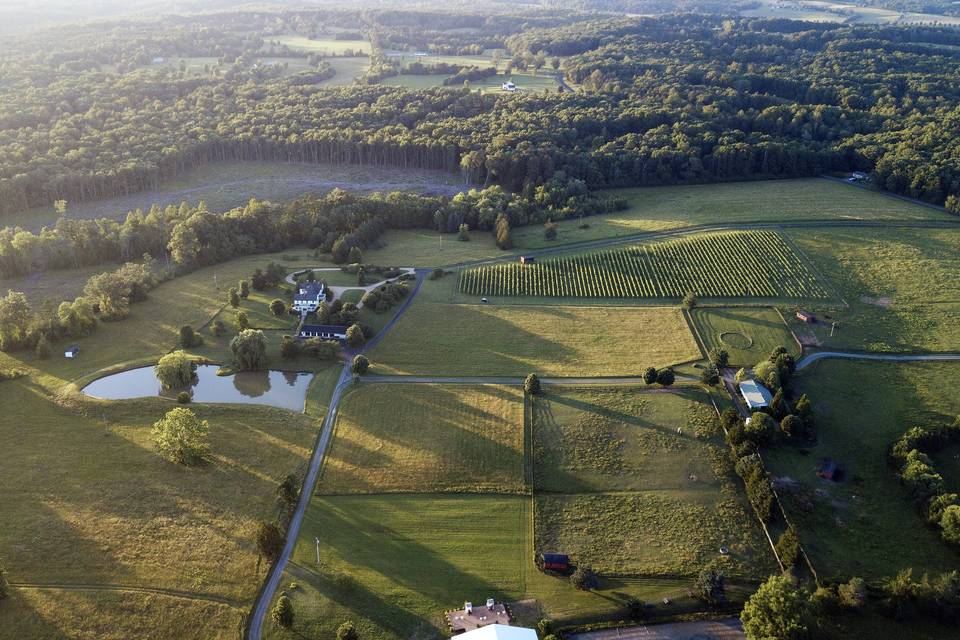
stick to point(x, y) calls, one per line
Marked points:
point(676, 98)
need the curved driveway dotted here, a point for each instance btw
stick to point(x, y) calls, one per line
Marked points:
point(810, 358)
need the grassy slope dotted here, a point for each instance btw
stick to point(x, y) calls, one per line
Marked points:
point(422, 438)
point(619, 488)
point(866, 525)
point(914, 269)
point(759, 330)
point(674, 207)
point(551, 340)
point(112, 511)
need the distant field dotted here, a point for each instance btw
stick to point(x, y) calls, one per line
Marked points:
point(900, 285)
point(866, 525)
point(747, 334)
point(843, 12)
point(326, 46)
point(619, 488)
point(750, 264)
point(524, 82)
point(473, 339)
point(674, 207)
point(346, 70)
point(231, 184)
point(427, 438)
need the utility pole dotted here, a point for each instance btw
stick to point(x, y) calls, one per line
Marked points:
point(318, 551)
point(833, 326)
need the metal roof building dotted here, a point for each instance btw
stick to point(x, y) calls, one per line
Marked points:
point(755, 394)
point(499, 632)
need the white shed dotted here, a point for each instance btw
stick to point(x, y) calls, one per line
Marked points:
point(755, 394)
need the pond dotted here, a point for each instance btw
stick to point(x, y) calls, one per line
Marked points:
point(284, 389)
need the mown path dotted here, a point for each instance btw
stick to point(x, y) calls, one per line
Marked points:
point(83, 586)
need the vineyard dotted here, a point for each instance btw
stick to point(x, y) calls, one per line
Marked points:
point(748, 264)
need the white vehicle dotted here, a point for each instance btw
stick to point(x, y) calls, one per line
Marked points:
point(508, 86)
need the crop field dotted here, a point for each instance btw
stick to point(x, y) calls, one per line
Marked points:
point(474, 339)
point(748, 334)
point(900, 286)
point(617, 486)
point(651, 209)
point(427, 438)
point(750, 264)
point(865, 525)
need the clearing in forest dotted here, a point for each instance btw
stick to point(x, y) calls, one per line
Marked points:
point(734, 264)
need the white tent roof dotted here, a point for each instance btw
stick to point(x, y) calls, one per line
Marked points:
point(499, 632)
point(755, 394)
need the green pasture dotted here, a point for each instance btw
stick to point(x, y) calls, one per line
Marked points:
point(674, 207)
point(865, 525)
point(748, 334)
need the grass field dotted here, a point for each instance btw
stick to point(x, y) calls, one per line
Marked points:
point(675, 207)
point(346, 69)
point(900, 285)
point(473, 339)
point(751, 264)
point(866, 525)
point(748, 334)
point(619, 488)
point(423, 248)
point(427, 438)
point(231, 184)
point(324, 46)
point(89, 501)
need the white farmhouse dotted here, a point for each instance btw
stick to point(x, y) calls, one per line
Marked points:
point(508, 86)
point(308, 297)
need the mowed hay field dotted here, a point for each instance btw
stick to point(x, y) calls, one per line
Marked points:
point(619, 488)
point(734, 264)
point(865, 525)
point(427, 438)
point(438, 338)
point(88, 501)
point(675, 207)
point(748, 334)
point(901, 286)
point(394, 563)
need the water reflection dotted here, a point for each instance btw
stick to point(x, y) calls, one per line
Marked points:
point(284, 389)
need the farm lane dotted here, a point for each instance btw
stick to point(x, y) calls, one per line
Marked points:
point(811, 358)
point(92, 586)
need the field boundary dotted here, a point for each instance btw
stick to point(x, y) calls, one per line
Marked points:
point(172, 593)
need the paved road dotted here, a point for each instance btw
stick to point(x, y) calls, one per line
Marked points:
point(810, 358)
point(267, 589)
point(727, 629)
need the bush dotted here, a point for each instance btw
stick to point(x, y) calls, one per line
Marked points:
point(249, 349)
point(189, 337)
point(778, 610)
point(719, 357)
point(219, 328)
point(463, 234)
point(355, 337)
point(788, 547)
point(233, 298)
point(768, 375)
point(584, 578)
point(741, 375)
point(181, 436)
point(269, 541)
point(243, 323)
point(853, 594)
point(347, 631)
point(544, 626)
point(277, 307)
point(360, 365)
point(650, 375)
point(282, 614)
point(761, 428)
point(184, 397)
point(175, 370)
point(244, 289)
point(531, 384)
point(665, 377)
point(689, 300)
point(950, 524)
point(710, 375)
point(437, 273)
point(791, 426)
point(758, 486)
point(634, 607)
point(709, 587)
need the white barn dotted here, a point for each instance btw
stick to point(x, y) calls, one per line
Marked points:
point(499, 632)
